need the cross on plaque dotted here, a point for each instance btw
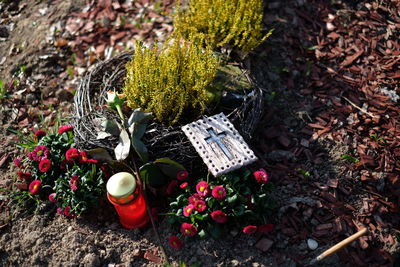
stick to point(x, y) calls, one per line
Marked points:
point(216, 138)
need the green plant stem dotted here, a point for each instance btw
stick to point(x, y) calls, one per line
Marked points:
point(120, 113)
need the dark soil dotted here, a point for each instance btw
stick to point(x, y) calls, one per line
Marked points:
point(330, 135)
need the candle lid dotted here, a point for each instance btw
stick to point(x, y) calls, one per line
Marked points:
point(121, 184)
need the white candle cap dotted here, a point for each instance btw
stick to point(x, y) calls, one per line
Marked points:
point(121, 184)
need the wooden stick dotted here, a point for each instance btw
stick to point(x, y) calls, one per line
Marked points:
point(341, 245)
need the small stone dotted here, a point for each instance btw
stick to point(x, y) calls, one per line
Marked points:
point(264, 244)
point(312, 244)
point(31, 99)
point(69, 229)
point(3, 32)
point(235, 263)
point(91, 260)
point(330, 26)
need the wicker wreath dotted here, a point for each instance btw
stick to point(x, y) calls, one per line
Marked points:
point(161, 140)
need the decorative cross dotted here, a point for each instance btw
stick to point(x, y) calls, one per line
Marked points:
point(217, 139)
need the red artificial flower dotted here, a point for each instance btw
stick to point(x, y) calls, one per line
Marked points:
point(184, 185)
point(39, 153)
point(39, 134)
point(193, 198)
point(200, 205)
point(73, 183)
point(171, 187)
point(52, 197)
point(175, 242)
point(219, 192)
point(265, 228)
point(35, 186)
point(219, 216)
point(188, 229)
point(25, 175)
point(188, 210)
point(72, 154)
point(44, 165)
point(261, 176)
point(18, 162)
point(65, 128)
point(182, 175)
point(202, 188)
point(250, 229)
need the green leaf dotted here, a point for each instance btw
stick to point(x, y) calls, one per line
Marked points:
point(232, 199)
point(123, 147)
point(239, 210)
point(140, 149)
point(246, 174)
point(110, 126)
point(169, 167)
point(152, 175)
point(99, 154)
point(202, 233)
point(350, 158)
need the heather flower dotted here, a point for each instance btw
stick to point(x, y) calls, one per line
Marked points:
point(203, 188)
point(219, 216)
point(193, 198)
point(182, 175)
point(265, 228)
point(24, 175)
point(39, 134)
point(44, 165)
point(200, 205)
point(72, 154)
point(171, 187)
point(188, 229)
point(52, 197)
point(219, 192)
point(175, 242)
point(65, 128)
point(73, 183)
point(250, 229)
point(39, 153)
point(35, 186)
point(188, 210)
point(261, 176)
point(184, 185)
point(18, 162)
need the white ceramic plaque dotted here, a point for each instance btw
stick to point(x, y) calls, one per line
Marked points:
point(219, 144)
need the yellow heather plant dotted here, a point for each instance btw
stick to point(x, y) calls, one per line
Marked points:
point(171, 80)
point(235, 23)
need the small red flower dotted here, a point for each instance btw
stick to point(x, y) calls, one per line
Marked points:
point(73, 183)
point(39, 134)
point(83, 157)
point(39, 153)
point(203, 188)
point(175, 242)
point(250, 229)
point(184, 185)
point(219, 216)
point(52, 197)
point(171, 187)
point(59, 210)
point(72, 154)
point(65, 128)
point(188, 229)
point(261, 176)
point(18, 162)
point(35, 186)
point(182, 175)
point(265, 228)
point(200, 205)
point(25, 175)
point(67, 212)
point(44, 165)
point(94, 161)
point(219, 192)
point(188, 210)
point(193, 198)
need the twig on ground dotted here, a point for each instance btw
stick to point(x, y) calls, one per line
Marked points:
point(360, 109)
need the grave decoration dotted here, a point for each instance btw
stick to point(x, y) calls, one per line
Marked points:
point(53, 169)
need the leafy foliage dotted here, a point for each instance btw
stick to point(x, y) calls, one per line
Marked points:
point(237, 23)
point(172, 80)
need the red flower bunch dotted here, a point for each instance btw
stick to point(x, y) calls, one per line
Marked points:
point(188, 210)
point(44, 165)
point(65, 128)
point(200, 205)
point(72, 154)
point(83, 158)
point(218, 192)
point(39, 153)
point(18, 162)
point(184, 185)
point(193, 198)
point(188, 229)
point(52, 197)
point(203, 189)
point(39, 134)
point(73, 183)
point(25, 175)
point(219, 216)
point(182, 175)
point(175, 242)
point(34, 187)
point(261, 176)
point(250, 229)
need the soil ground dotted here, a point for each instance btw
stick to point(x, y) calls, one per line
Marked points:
point(330, 135)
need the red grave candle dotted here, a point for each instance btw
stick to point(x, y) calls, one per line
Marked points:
point(127, 197)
